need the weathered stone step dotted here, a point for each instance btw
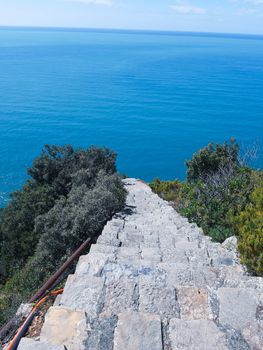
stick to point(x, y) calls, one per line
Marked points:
point(138, 331)
point(83, 294)
point(93, 263)
point(196, 335)
point(239, 307)
point(30, 344)
point(65, 326)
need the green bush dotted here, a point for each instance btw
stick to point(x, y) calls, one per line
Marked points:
point(52, 176)
point(211, 158)
point(250, 227)
point(72, 220)
point(18, 238)
point(168, 190)
point(214, 203)
point(56, 166)
point(69, 198)
point(217, 189)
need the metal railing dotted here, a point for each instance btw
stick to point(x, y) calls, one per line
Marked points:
point(42, 295)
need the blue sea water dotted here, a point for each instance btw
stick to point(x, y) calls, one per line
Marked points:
point(154, 98)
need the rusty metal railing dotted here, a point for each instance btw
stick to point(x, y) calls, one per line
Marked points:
point(43, 292)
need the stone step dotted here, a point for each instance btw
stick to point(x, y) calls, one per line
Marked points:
point(129, 254)
point(121, 293)
point(102, 248)
point(30, 344)
point(64, 326)
point(138, 331)
point(100, 332)
point(83, 294)
point(239, 307)
point(156, 297)
point(110, 241)
point(93, 263)
point(196, 335)
point(153, 255)
point(194, 303)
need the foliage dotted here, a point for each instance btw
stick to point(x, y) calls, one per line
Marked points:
point(53, 174)
point(70, 197)
point(72, 220)
point(210, 159)
point(250, 227)
point(224, 197)
point(18, 238)
point(56, 166)
point(166, 189)
point(213, 204)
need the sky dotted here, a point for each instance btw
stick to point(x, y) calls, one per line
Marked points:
point(225, 16)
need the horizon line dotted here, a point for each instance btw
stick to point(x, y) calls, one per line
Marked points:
point(138, 30)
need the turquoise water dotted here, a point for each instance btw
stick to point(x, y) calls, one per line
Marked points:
point(154, 98)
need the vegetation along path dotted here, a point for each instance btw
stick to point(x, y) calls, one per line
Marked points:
point(153, 281)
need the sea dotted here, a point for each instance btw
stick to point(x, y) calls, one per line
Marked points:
point(153, 97)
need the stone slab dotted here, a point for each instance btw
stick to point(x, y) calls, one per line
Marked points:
point(237, 306)
point(193, 303)
point(83, 294)
point(156, 298)
point(101, 332)
point(30, 344)
point(138, 331)
point(64, 326)
point(196, 335)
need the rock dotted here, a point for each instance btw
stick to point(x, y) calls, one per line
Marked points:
point(24, 310)
point(196, 335)
point(230, 244)
point(138, 331)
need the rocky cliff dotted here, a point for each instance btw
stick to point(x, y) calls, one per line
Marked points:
point(153, 281)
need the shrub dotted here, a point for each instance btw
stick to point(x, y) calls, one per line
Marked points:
point(18, 238)
point(214, 202)
point(69, 198)
point(217, 189)
point(211, 158)
point(53, 174)
point(72, 220)
point(250, 227)
point(168, 190)
point(57, 165)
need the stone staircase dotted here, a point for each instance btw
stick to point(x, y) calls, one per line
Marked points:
point(153, 281)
